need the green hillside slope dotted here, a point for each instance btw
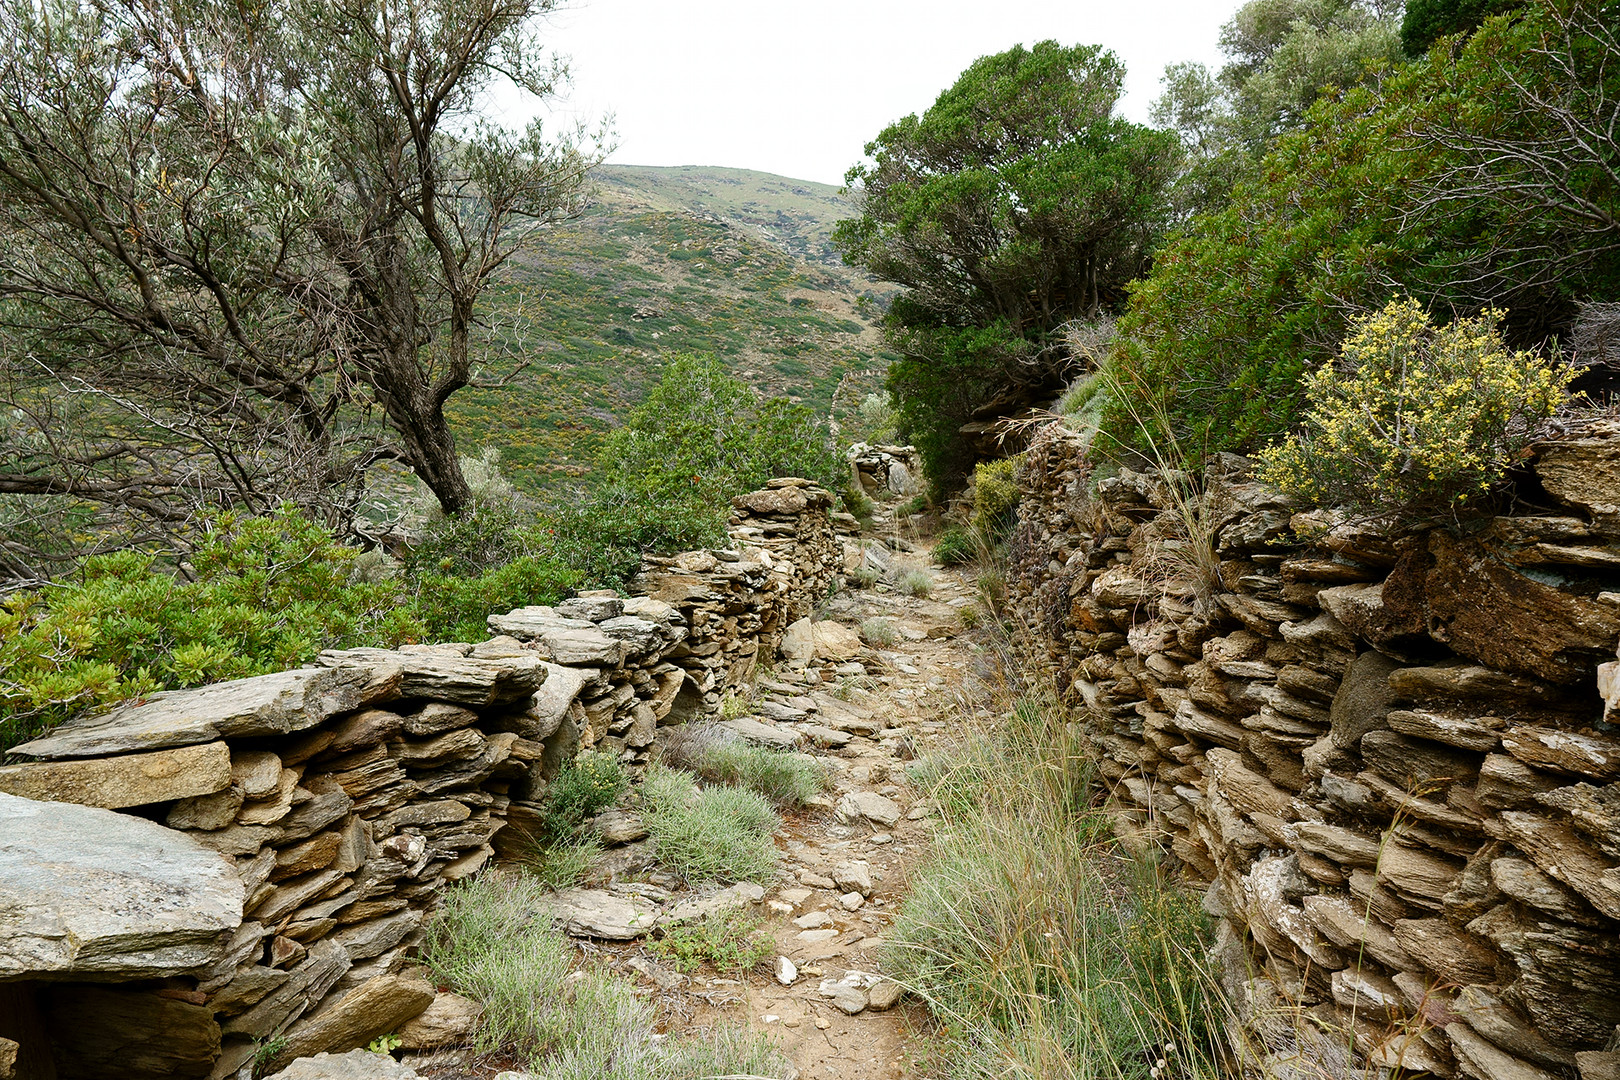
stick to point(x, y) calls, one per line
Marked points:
point(727, 261)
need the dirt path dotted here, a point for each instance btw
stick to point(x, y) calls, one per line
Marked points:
point(868, 718)
point(908, 688)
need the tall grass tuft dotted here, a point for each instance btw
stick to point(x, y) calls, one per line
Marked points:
point(709, 834)
point(1044, 950)
point(487, 942)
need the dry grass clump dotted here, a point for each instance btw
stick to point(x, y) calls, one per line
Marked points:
point(915, 583)
point(709, 834)
point(487, 942)
point(1043, 950)
point(879, 632)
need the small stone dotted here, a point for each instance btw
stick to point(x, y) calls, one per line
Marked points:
point(779, 907)
point(851, 901)
point(795, 896)
point(812, 937)
point(849, 999)
point(617, 827)
point(822, 1023)
point(786, 972)
point(883, 995)
point(880, 838)
point(869, 805)
point(813, 920)
point(854, 876)
point(815, 880)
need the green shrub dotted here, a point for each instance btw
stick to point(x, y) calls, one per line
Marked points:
point(786, 779)
point(915, 583)
point(730, 940)
point(995, 495)
point(864, 577)
point(702, 436)
point(585, 786)
point(267, 593)
point(1415, 420)
point(879, 632)
point(955, 547)
point(712, 834)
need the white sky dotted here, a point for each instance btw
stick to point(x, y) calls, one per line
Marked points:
point(799, 89)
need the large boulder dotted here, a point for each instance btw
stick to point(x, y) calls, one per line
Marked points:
point(85, 891)
point(275, 704)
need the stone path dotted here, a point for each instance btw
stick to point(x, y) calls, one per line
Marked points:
point(845, 858)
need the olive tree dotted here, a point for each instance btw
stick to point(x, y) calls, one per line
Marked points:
point(244, 246)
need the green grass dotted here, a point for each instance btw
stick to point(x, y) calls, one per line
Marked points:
point(709, 834)
point(1042, 949)
point(786, 779)
point(486, 942)
point(731, 940)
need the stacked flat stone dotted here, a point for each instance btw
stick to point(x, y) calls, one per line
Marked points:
point(1393, 760)
point(885, 471)
point(311, 817)
point(343, 797)
point(738, 602)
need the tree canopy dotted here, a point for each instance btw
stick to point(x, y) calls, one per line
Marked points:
point(1016, 202)
point(245, 245)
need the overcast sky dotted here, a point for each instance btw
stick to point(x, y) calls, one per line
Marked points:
point(799, 88)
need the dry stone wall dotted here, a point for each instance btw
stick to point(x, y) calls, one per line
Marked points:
point(188, 880)
point(1392, 760)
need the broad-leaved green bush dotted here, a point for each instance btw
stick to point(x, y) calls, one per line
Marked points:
point(265, 593)
point(701, 437)
point(1415, 420)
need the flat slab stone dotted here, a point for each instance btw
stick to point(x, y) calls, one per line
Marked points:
point(274, 704)
point(763, 734)
point(576, 642)
point(126, 780)
point(461, 680)
point(85, 890)
point(355, 1065)
point(594, 913)
point(870, 805)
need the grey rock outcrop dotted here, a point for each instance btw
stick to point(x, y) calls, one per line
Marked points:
point(85, 891)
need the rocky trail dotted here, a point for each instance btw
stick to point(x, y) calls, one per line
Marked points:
point(866, 710)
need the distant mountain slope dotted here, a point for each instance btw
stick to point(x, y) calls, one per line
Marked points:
point(726, 261)
point(798, 214)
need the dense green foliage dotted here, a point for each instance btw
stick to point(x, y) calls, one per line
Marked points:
point(1426, 21)
point(265, 593)
point(1434, 183)
point(1415, 421)
point(261, 594)
point(701, 437)
point(1016, 202)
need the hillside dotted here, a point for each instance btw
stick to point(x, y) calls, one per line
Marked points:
point(664, 261)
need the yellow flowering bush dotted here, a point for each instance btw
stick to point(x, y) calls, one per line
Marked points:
point(1416, 420)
